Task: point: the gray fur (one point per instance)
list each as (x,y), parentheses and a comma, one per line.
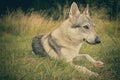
(37,46)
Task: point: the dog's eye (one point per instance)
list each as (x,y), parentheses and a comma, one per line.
(86,27)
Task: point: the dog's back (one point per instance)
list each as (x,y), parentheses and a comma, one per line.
(37,46)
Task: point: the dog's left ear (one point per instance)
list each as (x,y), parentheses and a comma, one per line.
(86,11)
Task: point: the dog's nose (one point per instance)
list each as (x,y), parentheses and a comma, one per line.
(97,40)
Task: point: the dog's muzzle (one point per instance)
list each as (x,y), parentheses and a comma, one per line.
(96,41)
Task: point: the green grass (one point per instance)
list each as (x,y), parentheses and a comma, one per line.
(18,63)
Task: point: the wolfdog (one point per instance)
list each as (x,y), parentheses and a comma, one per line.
(65,42)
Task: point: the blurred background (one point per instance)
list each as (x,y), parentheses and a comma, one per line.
(112,6)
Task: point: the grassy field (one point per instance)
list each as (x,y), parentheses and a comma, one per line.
(18,63)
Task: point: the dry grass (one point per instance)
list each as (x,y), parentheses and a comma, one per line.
(31,23)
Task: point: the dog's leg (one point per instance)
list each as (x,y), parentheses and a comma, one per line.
(84,56)
(90,59)
(84,70)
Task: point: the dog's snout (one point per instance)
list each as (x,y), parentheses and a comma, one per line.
(97,40)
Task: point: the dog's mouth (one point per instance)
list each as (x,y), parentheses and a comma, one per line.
(92,43)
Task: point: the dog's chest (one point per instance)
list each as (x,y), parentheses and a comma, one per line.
(70,53)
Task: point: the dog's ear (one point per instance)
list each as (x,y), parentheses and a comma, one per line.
(86,11)
(74,11)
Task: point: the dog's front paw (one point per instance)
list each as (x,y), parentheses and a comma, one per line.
(99,64)
(93,74)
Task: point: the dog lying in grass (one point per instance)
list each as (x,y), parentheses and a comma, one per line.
(66,41)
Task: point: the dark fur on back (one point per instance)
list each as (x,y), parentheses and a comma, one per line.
(37,46)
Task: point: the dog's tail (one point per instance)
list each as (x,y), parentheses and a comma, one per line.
(37,46)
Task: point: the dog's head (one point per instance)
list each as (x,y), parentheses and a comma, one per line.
(82,27)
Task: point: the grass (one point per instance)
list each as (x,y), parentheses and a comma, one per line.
(18,63)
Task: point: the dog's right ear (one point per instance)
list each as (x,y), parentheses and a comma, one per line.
(86,11)
(74,11)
